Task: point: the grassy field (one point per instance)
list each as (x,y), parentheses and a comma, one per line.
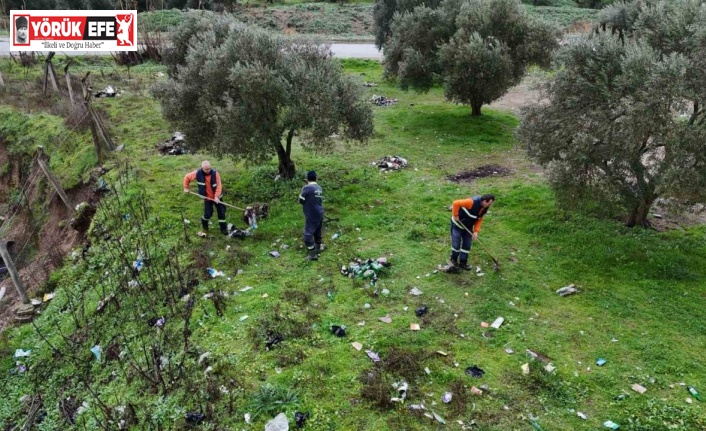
(639,302)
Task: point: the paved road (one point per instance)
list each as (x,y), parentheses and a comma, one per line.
(340,50)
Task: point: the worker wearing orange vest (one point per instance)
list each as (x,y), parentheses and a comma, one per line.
(210,187)
(467,216)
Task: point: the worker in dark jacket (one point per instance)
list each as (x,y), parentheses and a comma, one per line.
(466,218)
(311,198)
(211,189)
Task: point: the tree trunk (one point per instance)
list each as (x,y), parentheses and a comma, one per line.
(475,109)
(638,215)
(286,166)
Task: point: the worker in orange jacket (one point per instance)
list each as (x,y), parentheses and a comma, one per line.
(210,187)
(466,217)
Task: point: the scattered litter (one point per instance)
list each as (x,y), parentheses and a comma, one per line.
(414,326)
(391,163)
(108,91)
(488,334)
(244,318)
(2,292)
(265,295)
(382,100)
(215,273)
(300,419)
(246,288)
(439,418)
(509,351)
(369,84)
(639,388)
(474,371)
(600,362)
(385,319)
(694,393)
(427,370)
(442,353)
(195,418)
(201,234)
(414,291)
(538,356)
(335,236)
(480,274)
(156,322)
(254,212)
(525,369)
(610,424)
(401,387)
(203,357)
(447,397)
(373,356)
(356,345)
(96,350)
(174,146)
(339,331)
(48,297)
(366,269)
(421,311)
(550,368)
(19,353)
(279,423)
(36,301)
(416,407)
(581,415)
(689,401)
(476,391)
(272,339)
(247,418)
(385,292)
(496,324)
(366,305)
(567,290)
(484,324)
(274,253)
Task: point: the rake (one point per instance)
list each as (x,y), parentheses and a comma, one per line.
(496,264)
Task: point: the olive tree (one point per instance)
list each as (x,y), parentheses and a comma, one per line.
(478,49)
(609,131)
(243,92)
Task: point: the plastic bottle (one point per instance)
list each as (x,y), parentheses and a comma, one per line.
(535,425)
(694,393)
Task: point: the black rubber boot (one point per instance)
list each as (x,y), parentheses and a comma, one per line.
(224,227)
(453,262)
(313,254)
(464,265)
(319,247)
(204,224)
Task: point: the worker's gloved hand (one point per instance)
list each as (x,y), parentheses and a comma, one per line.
(186,190)
(217,200)
(475,236)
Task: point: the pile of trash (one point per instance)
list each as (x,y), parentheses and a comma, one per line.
(368,269)
(382,100)
(391,163)
(234,232)
(173,147)
(254,212)
(109,91)
(369,84)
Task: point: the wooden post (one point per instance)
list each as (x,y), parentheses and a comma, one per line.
(2,83)
(68,81)
(53,180)
(13,272)
(49,74)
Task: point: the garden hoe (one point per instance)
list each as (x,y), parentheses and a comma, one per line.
(496,264)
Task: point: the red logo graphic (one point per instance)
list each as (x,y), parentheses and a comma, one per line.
(125,33)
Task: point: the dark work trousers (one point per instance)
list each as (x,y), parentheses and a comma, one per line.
(460,243)
(312,233)
(208,212)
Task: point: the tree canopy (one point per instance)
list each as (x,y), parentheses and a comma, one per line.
(240,91)
(610,132)
(478,49)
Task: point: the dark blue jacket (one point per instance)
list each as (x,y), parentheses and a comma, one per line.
(311,199)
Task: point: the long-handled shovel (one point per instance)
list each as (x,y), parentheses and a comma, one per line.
(496,264)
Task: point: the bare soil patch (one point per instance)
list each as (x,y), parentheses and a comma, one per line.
(480,172)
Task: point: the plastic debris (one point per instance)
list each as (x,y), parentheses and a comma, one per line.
(36,301)
(243,318)
(156,322)
(380,100)
(385,292)
(600,362)
(538,356)
(246,288)
(369,84)
(694,393)
(48,297)
(401,388)
(421,311)
(373,356)
(484,324)
(248,419)
(215,273)
(475,371)
(416,407)
(415,292)
(274,253)
(525,369)
(391,163)
(300,419)
(339,331)
(567,290)
(356,345)
(550,368)
(385,319)
(509,351)
(639,388)
(96,350)
(476,391)
(427,370)
(195,418)
(366,269)
(19,353)
(497,322)
(438,418)
(447,397)
(582,416)
(414,326)
(442,353)
(610,424)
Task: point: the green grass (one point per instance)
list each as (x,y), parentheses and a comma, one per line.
(641,288)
